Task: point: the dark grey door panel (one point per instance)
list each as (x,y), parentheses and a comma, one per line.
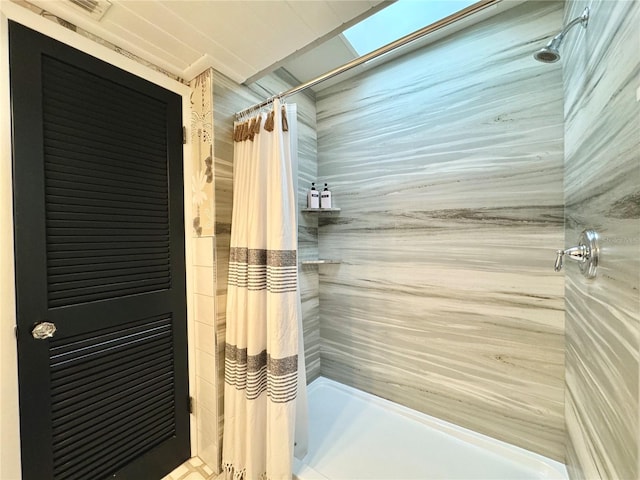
(99,235)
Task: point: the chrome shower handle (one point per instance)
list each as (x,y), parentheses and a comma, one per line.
(585,253)
(558,265)
(578,254)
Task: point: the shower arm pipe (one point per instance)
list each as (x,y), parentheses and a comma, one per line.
(580,19)
(412,37)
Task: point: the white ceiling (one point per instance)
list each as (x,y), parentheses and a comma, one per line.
(323,58)
(241,38)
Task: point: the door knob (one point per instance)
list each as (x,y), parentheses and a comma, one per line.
(43,330)
(586,253)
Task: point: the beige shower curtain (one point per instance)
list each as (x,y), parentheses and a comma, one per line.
(262,356)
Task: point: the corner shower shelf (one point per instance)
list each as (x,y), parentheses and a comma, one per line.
(320,262)
(320,210)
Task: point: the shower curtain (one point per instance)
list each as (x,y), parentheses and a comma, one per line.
(265,382)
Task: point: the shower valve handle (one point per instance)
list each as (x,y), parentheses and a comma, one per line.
(558,265)
(578,254)
(585,253)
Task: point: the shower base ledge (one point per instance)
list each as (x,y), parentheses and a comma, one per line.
(356,435)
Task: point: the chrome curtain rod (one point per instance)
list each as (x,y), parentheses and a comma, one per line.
(412,37)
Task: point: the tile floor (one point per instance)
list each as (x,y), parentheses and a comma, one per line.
(192,469)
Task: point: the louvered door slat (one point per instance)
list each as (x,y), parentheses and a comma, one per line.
(69,173)
(84,220)
(130,117)
(74,274)
(107,363)
(71,186)
(78,167)
(103,466)
(102,398)
(110,441)
(60,263)
(131,233)
(112,96)
(105,165)
(95,385)
(67,113)
(79,428)
(105,265)
(75,453)
(79,351)
(145,152)
(135,204)
(102,159)
(69,181)
(83,295)
(83,212)
(68,442)
(121,454)
(117,239)
(79,281)
(89,250)
(138,361)
(66,123)
(85,419)
(78,105)
(88,205)
(93,241)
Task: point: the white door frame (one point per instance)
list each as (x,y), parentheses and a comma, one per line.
(9,409)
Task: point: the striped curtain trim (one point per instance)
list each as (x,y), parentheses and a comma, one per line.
(273,258)
(259,373)
(256,269)
(282,279)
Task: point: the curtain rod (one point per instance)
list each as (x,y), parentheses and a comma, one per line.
(446,21)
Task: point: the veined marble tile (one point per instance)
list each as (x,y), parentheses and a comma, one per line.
(448,166)
(602,191)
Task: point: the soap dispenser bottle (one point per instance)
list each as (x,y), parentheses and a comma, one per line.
(325,198)
(313,197)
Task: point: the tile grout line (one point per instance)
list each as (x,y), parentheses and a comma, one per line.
(192,469)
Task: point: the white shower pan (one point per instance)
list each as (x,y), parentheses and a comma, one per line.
(357,436)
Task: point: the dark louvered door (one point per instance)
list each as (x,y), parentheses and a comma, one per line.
(99,240)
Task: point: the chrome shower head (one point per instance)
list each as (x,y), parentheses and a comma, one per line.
(547,55)
(551,52)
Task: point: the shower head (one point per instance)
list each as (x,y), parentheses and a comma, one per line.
(551,52)
(548,54)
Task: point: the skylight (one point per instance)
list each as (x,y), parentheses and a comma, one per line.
(399,19)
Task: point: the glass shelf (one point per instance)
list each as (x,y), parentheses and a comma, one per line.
(320,262)
(320,210)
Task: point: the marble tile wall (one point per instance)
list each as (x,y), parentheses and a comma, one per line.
(448,166)
(229,97)
(602,191)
